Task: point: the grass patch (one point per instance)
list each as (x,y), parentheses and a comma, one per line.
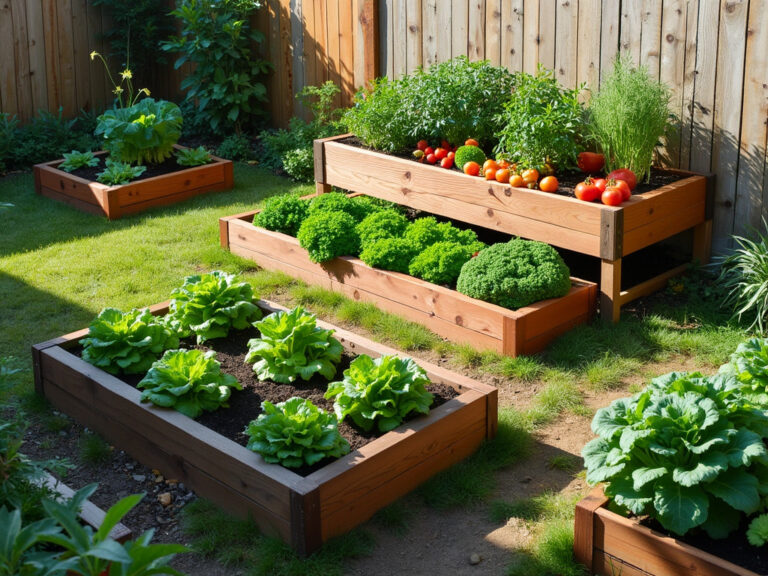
(396,517)
(565,462)
(94,449)
(559,394)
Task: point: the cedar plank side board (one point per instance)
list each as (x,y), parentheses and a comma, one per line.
(605,232)
(607,543)
(304,512)
(446,312)
(117,201)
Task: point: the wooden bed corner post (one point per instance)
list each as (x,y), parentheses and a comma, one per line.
(702,233)
(319,153)
(306,534)
(611,251)
(584,527)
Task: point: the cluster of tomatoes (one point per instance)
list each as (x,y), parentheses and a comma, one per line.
(442,155)
(502,171)
(612,190)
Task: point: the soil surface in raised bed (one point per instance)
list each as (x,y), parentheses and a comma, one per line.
(567,181)
(245,405)
(168,167)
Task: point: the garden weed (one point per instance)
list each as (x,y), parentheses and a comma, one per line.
(94,449)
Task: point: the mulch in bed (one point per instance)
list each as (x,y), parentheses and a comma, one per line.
(245,405)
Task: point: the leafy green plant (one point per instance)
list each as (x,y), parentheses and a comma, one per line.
(466,154)
(193,156)
(75,160)
(381,225)
(423,232)
(687,450)
(127,342)
(515,274)
(284,213)
(744,275)
(327,235)
(292,345)
(143,132)
(628,117)
(749,365)
(541,123)
(388,254)
(380,392)
(18,556)
(441,262)
(46,137)
(117,173)
(757,533)
(358,207)
(295,433)
(225,82)
(235,147)
(189,381)
(209,305)
(8,125)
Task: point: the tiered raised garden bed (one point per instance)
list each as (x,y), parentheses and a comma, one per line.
(446,312)
(605,232)
(303,511)
(117,201)
(609,544)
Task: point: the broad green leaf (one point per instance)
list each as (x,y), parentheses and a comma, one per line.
(679,508)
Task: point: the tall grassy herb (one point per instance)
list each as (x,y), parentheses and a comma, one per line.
(628,116)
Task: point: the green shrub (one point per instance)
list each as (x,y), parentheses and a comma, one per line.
(235,147)
(423,232)
(46,137)
(389,254)
(541,123)
(515,274)
(358,207)
(74,160)
(295,433)
(628,116)
(116,173)
(466,154)
(380,225)
(380,392)
(189,381)
(325,235)
(284,213)
(441,262)
(299,164)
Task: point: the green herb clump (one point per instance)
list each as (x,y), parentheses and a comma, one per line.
(452,100)
(189,381)
(292,345)
(688,450)
(541,123)
(628,117)
(117,173)
(380,392)
(466,154)
(209,305)
(380,225)
(757,533)
(193,156)
(295,433)
(441,262)
(235,147)
(327,235)
(423,232)
(127,342)
(74,160)
(142,133)
(284,213)
(299,164)
(515,274)
(749,365)
(388,254)
(358,207)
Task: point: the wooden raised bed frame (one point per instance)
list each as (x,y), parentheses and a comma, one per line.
(117,201)
(304,512)
(608,544)
(605,232)
(446,312)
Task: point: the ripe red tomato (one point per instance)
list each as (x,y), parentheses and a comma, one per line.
(445,144)
(422,145)
(502,175)
(591,161)
(451,154)
(490,173)
(429,150)
(624,174)
(441,153)
(431,158)
(471,142)
(601,183)
(548,184)
(611,196)
(587,191)
(471,168)
(622,186)
(447,162)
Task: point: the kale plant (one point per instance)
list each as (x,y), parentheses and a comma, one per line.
(328,235)
(189,381)
(284,213)
(295,433)
(74,160)
(127,342)
(291,346)
(380,392)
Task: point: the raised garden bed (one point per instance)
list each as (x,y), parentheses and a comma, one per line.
(137,196)
(605,232)
(607,544)
(303,511)
(444,311)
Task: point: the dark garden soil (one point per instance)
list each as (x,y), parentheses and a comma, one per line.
(168,167)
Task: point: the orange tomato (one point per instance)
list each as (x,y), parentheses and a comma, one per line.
(548,184)
(516,180)
(490,164)
(490,173)
(502,163)
(530,176)
(502,175)
(471,168)
(471,142)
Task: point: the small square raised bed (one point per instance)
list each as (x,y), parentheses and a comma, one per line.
(303,511)
(444,311)
(117,201)
(608,544)
(605,232)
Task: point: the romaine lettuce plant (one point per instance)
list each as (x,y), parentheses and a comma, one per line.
(380,392)
(117,173)
(126,342)
(209,305)
(190,381)
(294,433)
(193,156)
(292,346)
(689,451)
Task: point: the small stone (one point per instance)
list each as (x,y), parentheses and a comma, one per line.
(165,498)
(171,481)
(475,559)
(159,479)
(130,465)
(181,486)
(139,477)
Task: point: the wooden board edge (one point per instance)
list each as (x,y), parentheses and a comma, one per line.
(611,233)
(583,526)
(306,532)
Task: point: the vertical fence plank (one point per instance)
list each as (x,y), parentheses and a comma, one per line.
(400,33)
(512,34)
(272,40)
(346,54)
(728,99)
(650,36)
(444,30)
(702,130)
(492,40)
(566,44)
(66,56)
(476,30)
(547,32)
(8,98)
(672,71)
(631,28)
(588,33)
(429,25)
(310,44)
(531,33)
(689,79)
(82,39)
(386,14)
(97,86)
(333,32)
(297,41)
(36,44)
(413,36)
(460,27)
(51,53)
(321,42)
(609,35)
(21,58)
